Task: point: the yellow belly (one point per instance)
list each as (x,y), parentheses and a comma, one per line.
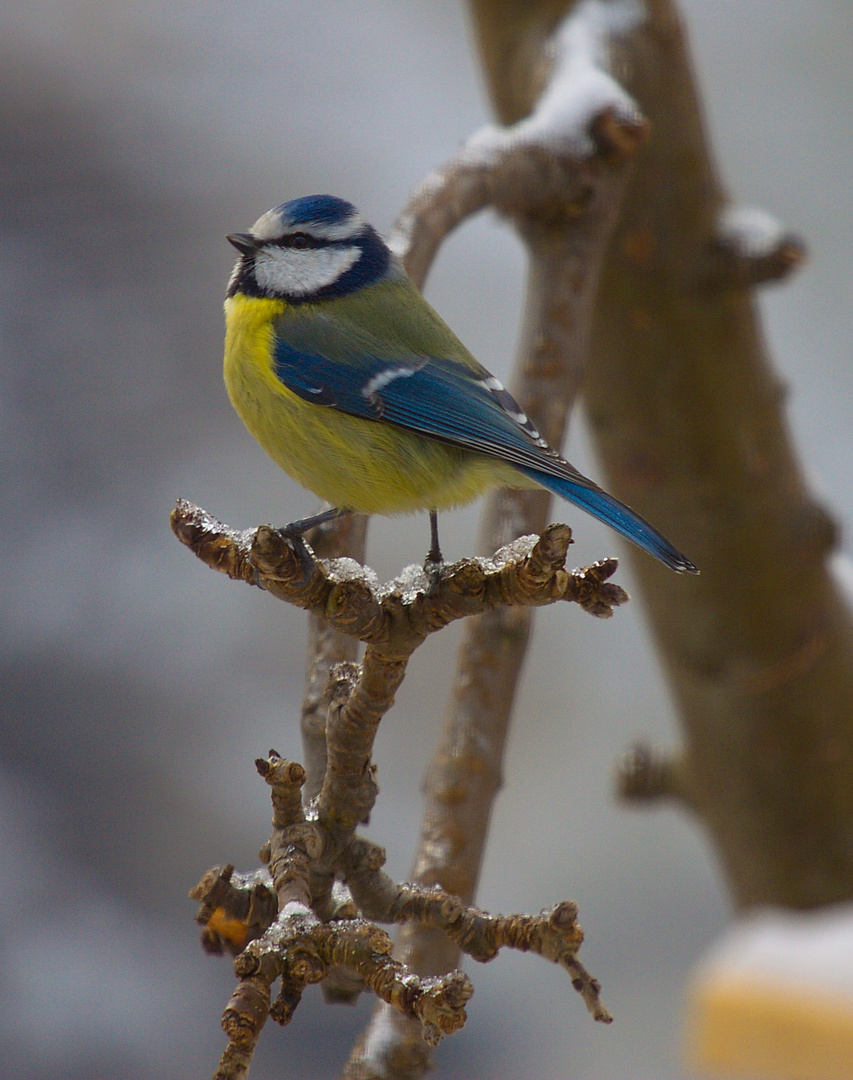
(350,462)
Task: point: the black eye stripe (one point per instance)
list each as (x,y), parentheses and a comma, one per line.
(303,241)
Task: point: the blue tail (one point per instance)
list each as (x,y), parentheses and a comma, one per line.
(615,514)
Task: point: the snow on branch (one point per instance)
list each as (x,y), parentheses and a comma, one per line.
(556,163)
(579,91)
(312,914)
(752,247)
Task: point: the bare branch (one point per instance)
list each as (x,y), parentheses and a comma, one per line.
(645,777)
(315,936)
(326,647)
(396,618)
(301,944)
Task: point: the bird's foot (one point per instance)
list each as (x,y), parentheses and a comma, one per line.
(296,540)
(294,533)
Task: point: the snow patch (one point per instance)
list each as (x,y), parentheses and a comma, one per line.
(346,569)
(751,230)
(409,582)
(510,553)
(579,89)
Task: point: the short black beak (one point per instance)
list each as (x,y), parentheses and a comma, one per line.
(245,243)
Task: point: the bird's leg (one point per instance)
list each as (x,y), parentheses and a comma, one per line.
(294,532)
(304,525)
(434,560)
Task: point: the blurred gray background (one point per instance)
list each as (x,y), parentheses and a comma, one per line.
(138,686)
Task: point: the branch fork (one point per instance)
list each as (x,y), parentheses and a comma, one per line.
(311,915)
(282,937)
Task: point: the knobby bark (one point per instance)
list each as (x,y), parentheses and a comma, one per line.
(311,916)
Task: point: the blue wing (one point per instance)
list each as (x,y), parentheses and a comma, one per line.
(429,395)
(459,403)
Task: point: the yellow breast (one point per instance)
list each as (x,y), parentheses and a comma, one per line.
(349,461)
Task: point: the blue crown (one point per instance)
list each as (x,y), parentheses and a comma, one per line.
(316,210)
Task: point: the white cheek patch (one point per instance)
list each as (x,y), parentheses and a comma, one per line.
(295,272)
(235,275)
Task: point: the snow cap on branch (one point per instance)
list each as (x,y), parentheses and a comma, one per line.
(579,89)
(750,230)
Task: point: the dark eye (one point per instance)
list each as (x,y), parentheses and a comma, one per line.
(298,240)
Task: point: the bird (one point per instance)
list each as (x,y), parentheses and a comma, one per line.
(357,388)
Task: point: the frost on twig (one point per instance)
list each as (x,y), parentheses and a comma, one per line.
(558,171)
(310,915)
(281,928)
(530,572)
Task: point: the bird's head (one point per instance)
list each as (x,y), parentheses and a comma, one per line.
(312,248)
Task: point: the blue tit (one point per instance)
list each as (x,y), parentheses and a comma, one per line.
(355,386)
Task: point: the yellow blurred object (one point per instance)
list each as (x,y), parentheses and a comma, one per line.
(233,930)
(774,1001)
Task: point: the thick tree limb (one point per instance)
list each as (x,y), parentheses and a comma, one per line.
(687,415)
